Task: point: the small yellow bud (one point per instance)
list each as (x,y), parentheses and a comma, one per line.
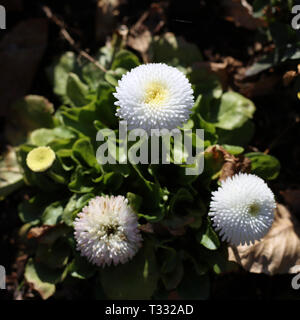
(40,159)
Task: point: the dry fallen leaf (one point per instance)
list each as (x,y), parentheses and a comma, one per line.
(21,50)
(288,77)
(240,13)
(231,164)
(140,41)
(261,87)
(106,17)
(48,234)
(140,34)
(278,252)
(38,232)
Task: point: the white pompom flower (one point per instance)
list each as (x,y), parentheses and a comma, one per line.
(154,96)
(106,231)
(242,209)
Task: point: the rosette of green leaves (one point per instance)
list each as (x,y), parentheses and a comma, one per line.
(181,251)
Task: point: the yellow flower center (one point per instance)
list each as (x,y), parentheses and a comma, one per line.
(254,209)
(40,159)
(156,94)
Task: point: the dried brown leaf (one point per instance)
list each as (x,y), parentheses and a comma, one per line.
(38,232)
(140,41)
(288,77)
(48,234)
(240,13)
(106,17)
(149,23)
(278,252)
(263,86)
(234,165)
(231,164)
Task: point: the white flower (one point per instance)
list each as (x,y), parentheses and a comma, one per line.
(107,231)
(242,209)
(154,96)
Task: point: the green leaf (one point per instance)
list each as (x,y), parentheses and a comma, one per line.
(53,213)
(80,119)
(209,239)
(58,144)
(136,279)
(264,165)
(84,152)
(205,82)
(92,75)
(126,60)
(210,135)
(80,268)
(11,177)
(208,242)
(66,160)
(234,110)
(240,136)
(135,201)
(81,181)
(105,56)
(26,115)
(113,180)
(77,91)
(113,76)
(42,278)
(180,200)
(235,150)
(43,136)
(59,72)
(152,194)
(31,210)
(75,204)
(105,108)
(54,256)
(230,112)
